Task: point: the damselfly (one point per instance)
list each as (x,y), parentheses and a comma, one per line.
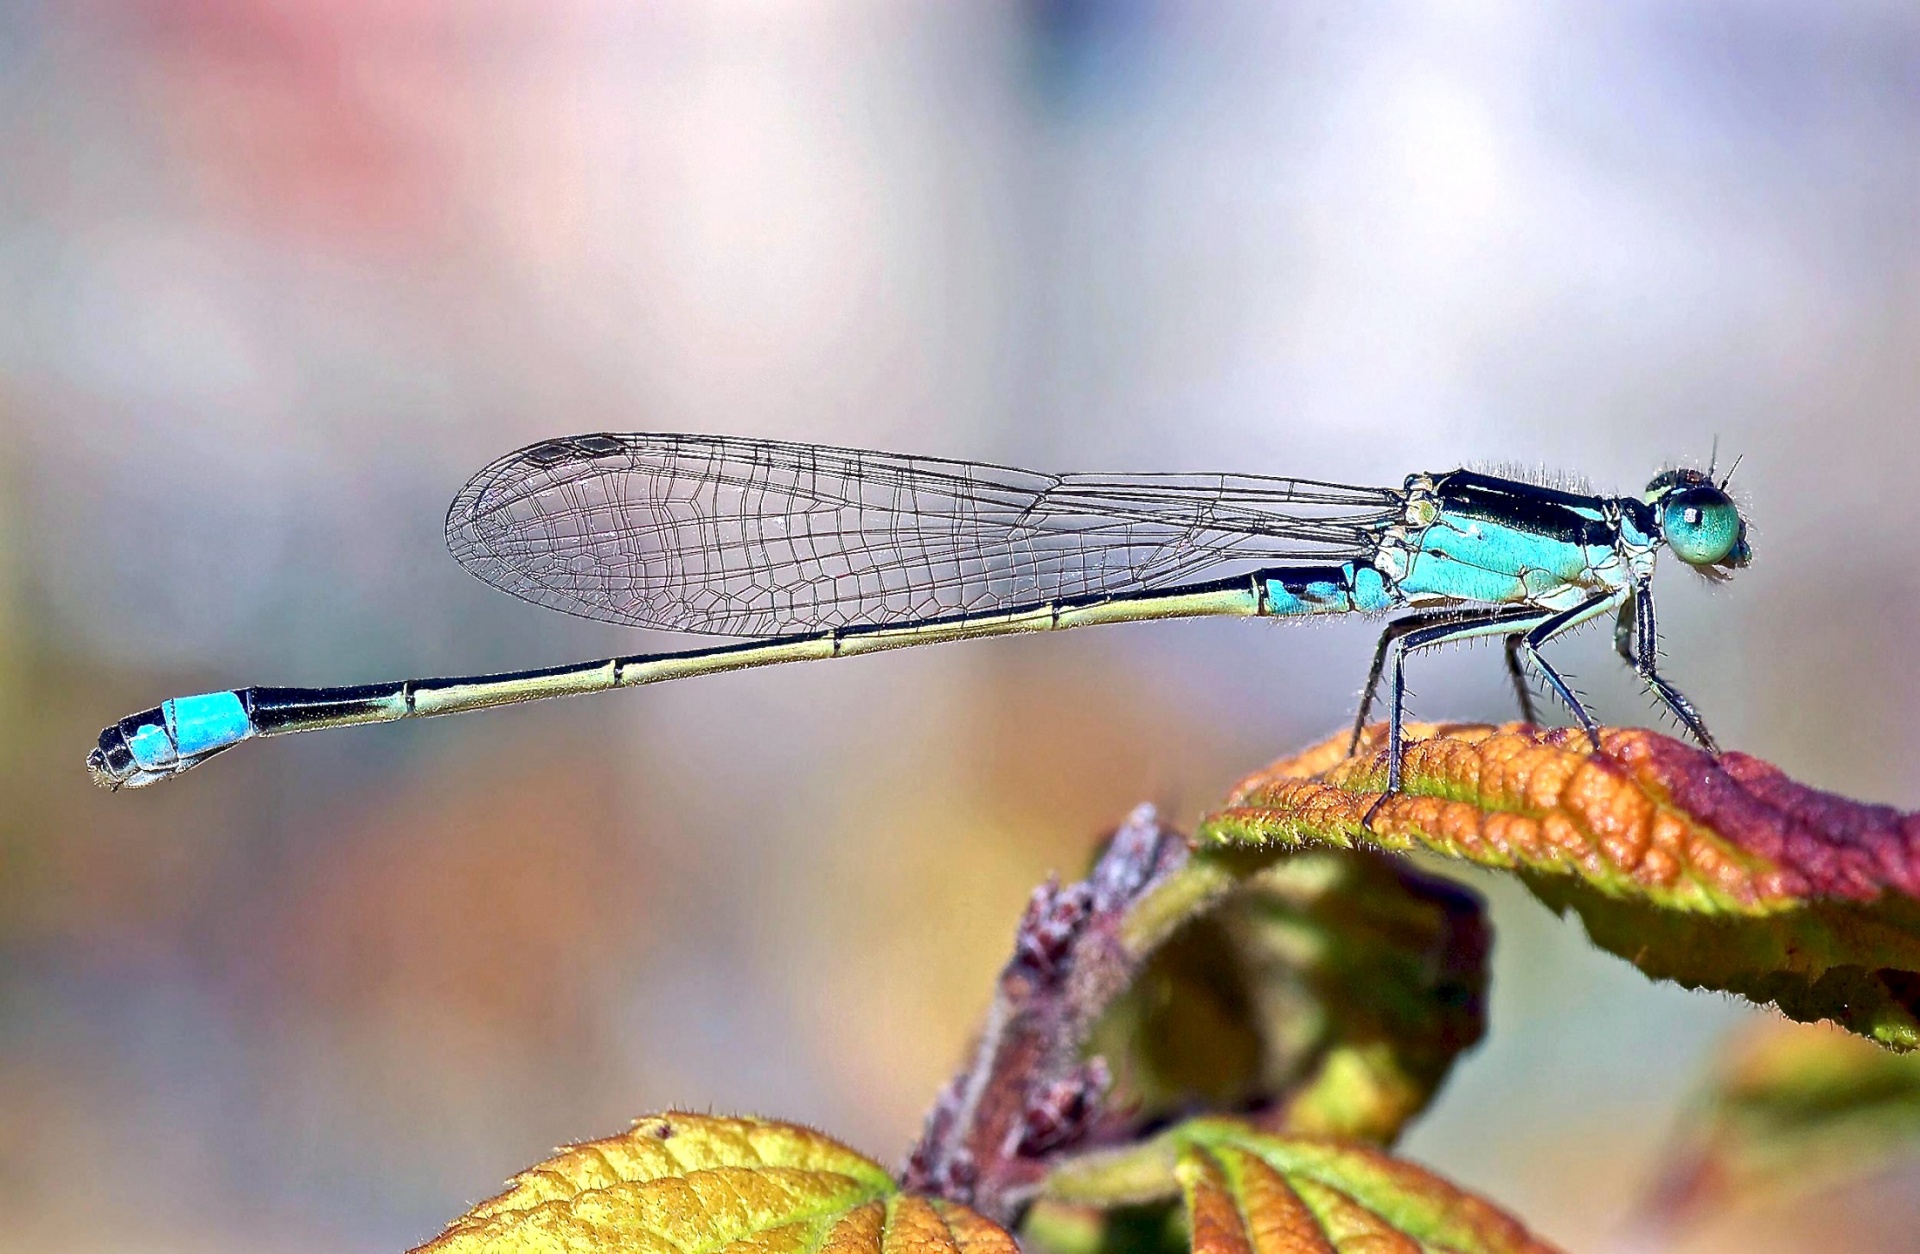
(818,552)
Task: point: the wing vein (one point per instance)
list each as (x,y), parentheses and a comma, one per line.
(748,537)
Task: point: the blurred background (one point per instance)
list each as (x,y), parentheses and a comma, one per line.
(275,277)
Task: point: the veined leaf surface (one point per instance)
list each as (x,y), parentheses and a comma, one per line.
(1252,1192)
(688,1184)
(1717,873)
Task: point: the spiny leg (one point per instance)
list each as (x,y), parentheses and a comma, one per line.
(1503,622)
(1518,673)
(1567,620)
(1637,639)
(1394,631)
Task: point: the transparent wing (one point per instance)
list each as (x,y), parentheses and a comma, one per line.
(760,537)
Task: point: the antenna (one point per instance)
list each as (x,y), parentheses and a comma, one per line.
(1729,479)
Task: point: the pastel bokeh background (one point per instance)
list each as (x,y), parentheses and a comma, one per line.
(276,276)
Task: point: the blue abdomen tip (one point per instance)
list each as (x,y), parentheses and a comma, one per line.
(212,720)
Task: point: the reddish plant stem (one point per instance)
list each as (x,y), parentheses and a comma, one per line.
(1028,1097)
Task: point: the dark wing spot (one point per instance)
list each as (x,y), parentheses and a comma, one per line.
(549,453)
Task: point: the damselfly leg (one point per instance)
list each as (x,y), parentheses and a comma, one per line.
(1637,639)
(1565,621)
(1534,629)
(1426,637)
(1517,672)
(1429,618)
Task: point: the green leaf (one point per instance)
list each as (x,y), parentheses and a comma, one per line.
(1791,1109)
(1715,873)
(1253,1193)
(689,1184)
(1333,990)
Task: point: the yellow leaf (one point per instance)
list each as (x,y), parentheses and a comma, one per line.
(689,1184)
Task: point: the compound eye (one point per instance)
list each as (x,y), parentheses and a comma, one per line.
(1702,525)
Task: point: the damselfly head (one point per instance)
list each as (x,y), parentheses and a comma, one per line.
(1700,522)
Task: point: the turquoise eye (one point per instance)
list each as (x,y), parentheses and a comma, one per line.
(1702,525)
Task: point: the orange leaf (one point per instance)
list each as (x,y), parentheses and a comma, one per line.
(1719,873)
(1252,1193)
